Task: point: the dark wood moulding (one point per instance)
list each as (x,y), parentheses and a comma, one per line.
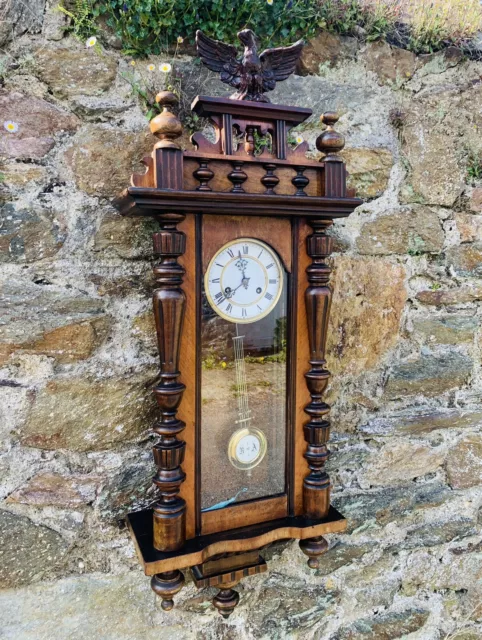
(207,106)
(138,201)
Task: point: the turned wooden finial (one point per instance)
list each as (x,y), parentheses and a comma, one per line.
(166,126)
(227,599)
(314,548)
(166,585)
(330,142)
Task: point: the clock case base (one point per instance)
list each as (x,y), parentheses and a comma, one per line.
(200,549)
(223,559)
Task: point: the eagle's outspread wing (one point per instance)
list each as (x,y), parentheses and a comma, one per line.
(277,64)
(219,56)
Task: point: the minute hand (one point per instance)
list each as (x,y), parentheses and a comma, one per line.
(244,281)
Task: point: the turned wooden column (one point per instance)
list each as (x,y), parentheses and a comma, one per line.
(169,301)
(169,305)
(317,485)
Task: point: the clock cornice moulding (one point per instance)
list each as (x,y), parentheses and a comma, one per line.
(141,201)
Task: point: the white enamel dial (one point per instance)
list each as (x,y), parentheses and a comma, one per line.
(244,280)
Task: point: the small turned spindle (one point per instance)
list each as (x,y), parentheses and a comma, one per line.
(314,548)
(300,181)
(269,180)
(166,126)
(249,140)
(237,176)
(203,175)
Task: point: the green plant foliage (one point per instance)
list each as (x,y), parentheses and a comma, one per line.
(262,142)
(474,165)
(83,24)
(149,26)
(341,16)
(144,94)
(376,19)
(435,24)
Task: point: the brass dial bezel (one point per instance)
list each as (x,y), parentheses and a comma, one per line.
(234,441)
(273,302)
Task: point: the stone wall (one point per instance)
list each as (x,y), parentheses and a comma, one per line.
(78,357)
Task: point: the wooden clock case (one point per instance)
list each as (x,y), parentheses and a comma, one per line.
(201,199)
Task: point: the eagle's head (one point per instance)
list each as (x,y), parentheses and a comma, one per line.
(247,37)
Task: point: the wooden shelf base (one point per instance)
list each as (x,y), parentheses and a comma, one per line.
(198,550)
(230,569)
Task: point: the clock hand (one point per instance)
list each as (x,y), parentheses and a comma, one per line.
(229,293)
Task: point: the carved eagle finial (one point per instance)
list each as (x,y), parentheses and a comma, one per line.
(252,74)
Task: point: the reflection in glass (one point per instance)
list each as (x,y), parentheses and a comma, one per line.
(243,400)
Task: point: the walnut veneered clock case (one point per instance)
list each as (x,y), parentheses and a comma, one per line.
(241,310)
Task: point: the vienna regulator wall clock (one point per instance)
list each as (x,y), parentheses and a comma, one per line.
(241,312)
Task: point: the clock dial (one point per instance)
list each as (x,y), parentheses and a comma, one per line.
(244,280)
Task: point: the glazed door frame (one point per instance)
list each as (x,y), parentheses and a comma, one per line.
(276,506)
